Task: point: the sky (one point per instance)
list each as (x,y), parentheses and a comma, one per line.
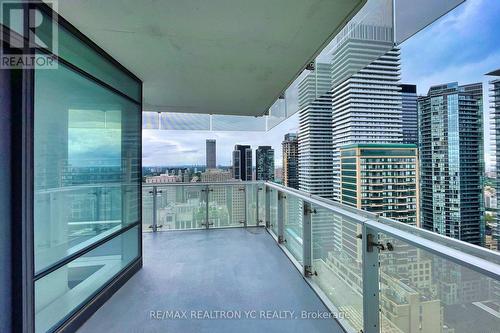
(461,46)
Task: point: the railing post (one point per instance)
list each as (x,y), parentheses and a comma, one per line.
(307,212)
(257,204)
(246,206)
(370,274)
(244,189)
(207,213)
(281,226)
(268,207)
(155,222)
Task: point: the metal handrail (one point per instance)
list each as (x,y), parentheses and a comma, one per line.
(236,182)
(479,259)
(475,261)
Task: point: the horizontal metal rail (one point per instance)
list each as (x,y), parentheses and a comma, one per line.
(462,258)
(234,183)
(482,260)
(476,258)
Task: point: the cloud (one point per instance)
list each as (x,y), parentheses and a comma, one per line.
(460,47)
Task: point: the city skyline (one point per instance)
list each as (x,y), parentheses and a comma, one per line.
(432,56)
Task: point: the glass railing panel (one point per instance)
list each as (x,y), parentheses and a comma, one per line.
(181,207)
(62,291)
(147,208)
(273,207)
(226,206)
(278,111)
(184,121)
(292,225)
(336,258)
(421,291)
(412,16)
(251,200)
(473,250)
(238,123)
(150,120)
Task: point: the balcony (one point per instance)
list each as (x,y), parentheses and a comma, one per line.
(227,248)
(238,272)
(81,225)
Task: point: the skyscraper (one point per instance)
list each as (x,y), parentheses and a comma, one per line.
(495,142)
(211,154)
(381,178)
(264,163)
(242,162)
(315,132)
(410,113)
(290,146)
(366,106)
(451,161)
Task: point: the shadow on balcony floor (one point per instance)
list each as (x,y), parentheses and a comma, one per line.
(228,270)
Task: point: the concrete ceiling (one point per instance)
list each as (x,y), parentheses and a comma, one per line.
(211,56)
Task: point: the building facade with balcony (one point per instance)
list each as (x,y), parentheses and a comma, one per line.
(242,162)
(410,113)
(211,154)
(383,179)
(495,142)
(452,161)
(264,163)
(315,132)
(290,171)
(367,104)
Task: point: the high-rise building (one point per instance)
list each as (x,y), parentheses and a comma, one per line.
(410,113)
(381,178)
(315,151)
(242,162)
(495,144)
(211,154)
(290,146)
(264,163)
(366,106)
(315,132)
(451,161)
(216,176)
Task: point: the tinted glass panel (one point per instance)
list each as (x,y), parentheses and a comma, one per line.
(87,177)
(62,291)
(79,54)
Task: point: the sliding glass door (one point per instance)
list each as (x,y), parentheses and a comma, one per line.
(86,177)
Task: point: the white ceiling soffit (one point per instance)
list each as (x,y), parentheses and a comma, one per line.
(211,56)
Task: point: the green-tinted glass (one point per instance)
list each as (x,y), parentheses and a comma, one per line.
(62,291)
(87,179)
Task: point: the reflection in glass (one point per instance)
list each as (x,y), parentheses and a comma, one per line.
(62,291)
(292,221)
(86,160)
(337,260)
(422,291)
(181,207)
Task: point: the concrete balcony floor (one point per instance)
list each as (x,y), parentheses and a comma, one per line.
(228,270)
